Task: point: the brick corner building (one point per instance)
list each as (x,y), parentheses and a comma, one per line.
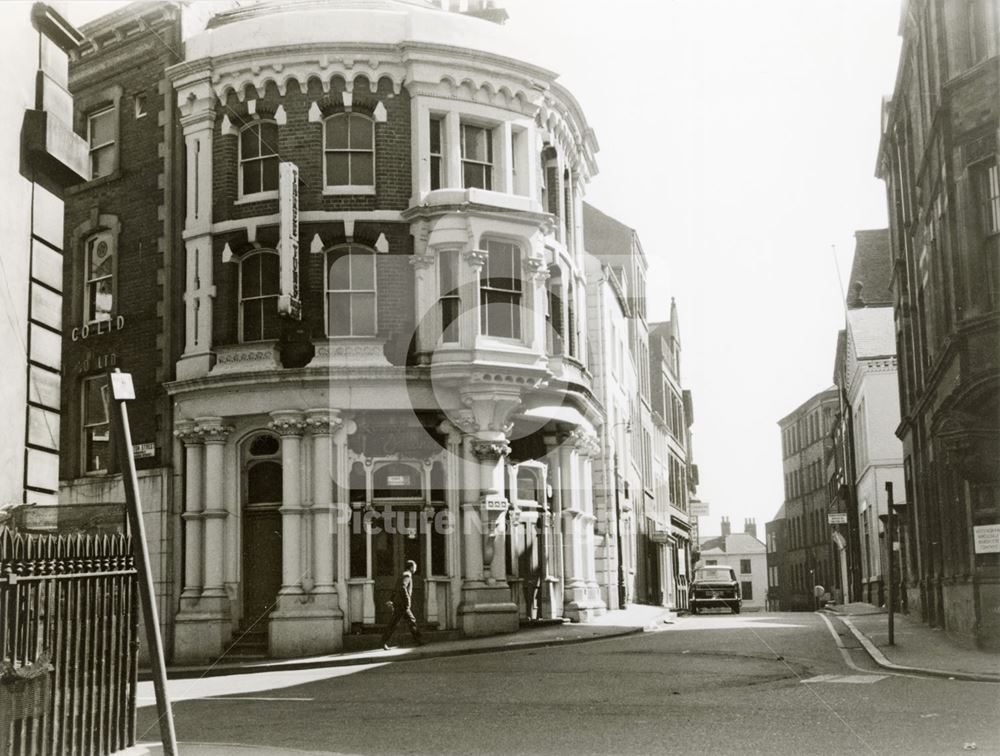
(939,159)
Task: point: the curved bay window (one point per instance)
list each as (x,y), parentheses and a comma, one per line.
(259,158)
(259,287)
(349,151)
(350,292)
(500,291)
(100,274)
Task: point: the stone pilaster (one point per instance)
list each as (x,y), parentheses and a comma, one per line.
(203,627)
(192,517)
(197,111)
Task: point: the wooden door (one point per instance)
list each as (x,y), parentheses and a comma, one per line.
(261,563)
(261,540)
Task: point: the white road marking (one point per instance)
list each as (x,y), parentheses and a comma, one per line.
(850,679)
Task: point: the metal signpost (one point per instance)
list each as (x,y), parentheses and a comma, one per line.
(890,540)
(121,391)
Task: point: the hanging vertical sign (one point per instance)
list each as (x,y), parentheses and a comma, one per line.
(288,243)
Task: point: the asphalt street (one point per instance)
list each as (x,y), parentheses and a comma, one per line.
(716,683)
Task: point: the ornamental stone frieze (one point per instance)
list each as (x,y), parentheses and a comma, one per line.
(287,423)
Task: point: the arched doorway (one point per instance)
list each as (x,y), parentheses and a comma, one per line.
(261,527)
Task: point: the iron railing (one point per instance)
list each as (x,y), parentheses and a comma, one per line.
(69,614)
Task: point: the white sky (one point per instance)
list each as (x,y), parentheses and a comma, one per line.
(739,139)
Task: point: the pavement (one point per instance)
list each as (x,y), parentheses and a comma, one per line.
(619,622)
(918,648)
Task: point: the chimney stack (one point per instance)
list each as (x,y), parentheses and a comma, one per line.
(750,527)
(726,529)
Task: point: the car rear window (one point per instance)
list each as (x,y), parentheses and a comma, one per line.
(713,573)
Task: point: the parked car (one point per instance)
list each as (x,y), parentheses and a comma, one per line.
(715,586)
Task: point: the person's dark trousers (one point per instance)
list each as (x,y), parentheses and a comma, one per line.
(397,614)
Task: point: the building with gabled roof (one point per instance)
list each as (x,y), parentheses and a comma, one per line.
(746,554)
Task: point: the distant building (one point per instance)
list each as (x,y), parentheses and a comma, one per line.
(778,581)
(40,157)
(806,559)
(746,554)
(675,474)
(939,159)
(872,392)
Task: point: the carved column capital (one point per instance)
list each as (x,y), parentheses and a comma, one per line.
(490,450)
(476,258)
(536,269)
(209,430)
(321,422)
(287,423)
(585,442)
(421,262)
(187,432)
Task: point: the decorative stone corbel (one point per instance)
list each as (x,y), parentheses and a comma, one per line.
(536,269)
(280,116)
(379,113)
(226,128)
(315,115)
(382,244)
(316,245)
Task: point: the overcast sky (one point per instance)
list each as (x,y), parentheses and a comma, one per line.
(739,140)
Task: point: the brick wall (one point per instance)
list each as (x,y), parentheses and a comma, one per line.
(301,142)
(133,198)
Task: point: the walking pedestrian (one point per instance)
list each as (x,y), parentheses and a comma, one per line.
(401,606)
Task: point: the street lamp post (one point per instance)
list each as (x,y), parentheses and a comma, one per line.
(622,592)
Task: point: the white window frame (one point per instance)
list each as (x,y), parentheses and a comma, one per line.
(89,245)
(489,165)
(452,294)
(263,193)
(242,299)
(108,145)
(437,120)
(346,250)
(988,196)
(352,188)
(86,428)
(517,294)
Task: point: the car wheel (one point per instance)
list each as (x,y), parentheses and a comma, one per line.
(736,608)
(694,609)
